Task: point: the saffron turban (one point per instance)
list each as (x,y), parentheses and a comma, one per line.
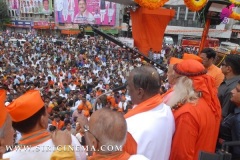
(201,82)
(25,106)
(192,56)
(174,60)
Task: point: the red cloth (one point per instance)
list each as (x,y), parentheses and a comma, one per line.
(58,125)
(130,145)
(148,27)
(174,60)
(196,130)
(145,106)
(192,56)
(197,125)
(3,110)
(35,138)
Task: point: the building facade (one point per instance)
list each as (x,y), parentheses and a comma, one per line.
(53,16)
(186,23)
(64,16)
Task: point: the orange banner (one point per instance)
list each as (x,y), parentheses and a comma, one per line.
(72,32)
(148,27)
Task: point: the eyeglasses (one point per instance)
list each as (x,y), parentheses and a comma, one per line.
(86,129)
(223,64)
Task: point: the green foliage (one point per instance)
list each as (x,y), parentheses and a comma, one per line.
(4,17)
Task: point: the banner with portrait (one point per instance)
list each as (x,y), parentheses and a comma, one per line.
(99,12)
(36,6)
(13,4)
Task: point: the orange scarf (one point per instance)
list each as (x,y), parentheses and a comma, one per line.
(3,110)
(112,156)
(145,106)
(35,138)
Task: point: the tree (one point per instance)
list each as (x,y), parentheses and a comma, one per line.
(4,17)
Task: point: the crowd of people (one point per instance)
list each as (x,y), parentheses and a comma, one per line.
(78,87)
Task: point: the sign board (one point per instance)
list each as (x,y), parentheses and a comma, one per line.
(22,23)
(99,12)
(127,41)
(13,4)
(41,23)
(36,6)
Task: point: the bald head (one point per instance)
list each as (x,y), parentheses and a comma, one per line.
(108,126)
(147,78)
(6,132)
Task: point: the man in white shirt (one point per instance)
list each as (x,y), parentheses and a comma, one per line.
(100,85)
(32,124)
(46,9)
(59,8)
(71,7)
(106,79)
(88,80)
(122,105)
(65,10)
(155,116)
(84,16)
(72,86)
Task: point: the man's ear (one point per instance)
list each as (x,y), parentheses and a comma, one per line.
(43,121)
(229,69)
(140,93)
(95,143)
(1,141)
(2,147)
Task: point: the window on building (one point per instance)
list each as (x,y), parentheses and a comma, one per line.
(194,16)
(178,12)
(13,13)
(186,14)
(182,13)
(191,15)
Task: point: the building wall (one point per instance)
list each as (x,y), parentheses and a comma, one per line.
(186,23)
(182,24)
(50,18)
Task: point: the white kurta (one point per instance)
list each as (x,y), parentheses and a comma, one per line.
(138,157)
(153,131)
(44,151)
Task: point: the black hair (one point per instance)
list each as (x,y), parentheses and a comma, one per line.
(210,53)
(52,128)
(82,0)
(233,60)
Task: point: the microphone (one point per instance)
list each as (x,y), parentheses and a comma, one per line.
(113,90)
(120,88)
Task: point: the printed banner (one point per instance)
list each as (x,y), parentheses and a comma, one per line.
(36,6)
(41,23)
(13,4)
(99,12)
